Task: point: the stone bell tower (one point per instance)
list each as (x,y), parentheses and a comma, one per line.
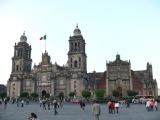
(77,59)
(77,62)
(21,61)
(21,65)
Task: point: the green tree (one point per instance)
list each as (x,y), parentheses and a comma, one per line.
(24,94)
(99,93)
(132,92)
(61,95)
(86,93)
(47,95)
(3,94)
(34,95)
(71,94)
(115,93)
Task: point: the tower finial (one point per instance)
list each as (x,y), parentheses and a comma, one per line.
(77,25)
(24,33)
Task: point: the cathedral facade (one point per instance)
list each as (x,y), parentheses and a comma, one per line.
(47,78)
(53,79)
(119,77)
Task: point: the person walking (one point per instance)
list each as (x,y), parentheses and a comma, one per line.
(22,103)
(17,101)
(128,103)
(96,110)
(40,102)
(117,106)
(5,103)
(156,105)
(48,104)
(82,105)
(112,106)
(44,104)
(148,105)
(109,106)
(55,107)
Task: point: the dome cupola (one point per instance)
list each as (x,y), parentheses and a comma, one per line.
(77,31)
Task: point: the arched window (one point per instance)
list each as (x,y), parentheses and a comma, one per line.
(75,46)
(18,52)
(75,63)
(75,85)
(17,67)
(79,46)
(79,59)
(21,52)
(71,60)
(71,46)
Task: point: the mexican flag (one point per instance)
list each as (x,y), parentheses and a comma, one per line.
(43,37)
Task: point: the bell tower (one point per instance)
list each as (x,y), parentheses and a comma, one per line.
(21,67)
(21,61)
(77,62)
(76,55)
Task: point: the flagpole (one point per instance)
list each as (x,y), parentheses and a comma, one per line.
(45,41)
(45,45)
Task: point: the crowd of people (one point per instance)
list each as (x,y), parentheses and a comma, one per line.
(112,105)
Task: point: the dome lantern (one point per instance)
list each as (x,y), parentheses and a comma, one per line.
(77,31)
(23,38)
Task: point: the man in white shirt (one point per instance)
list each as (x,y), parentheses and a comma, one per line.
(96,110)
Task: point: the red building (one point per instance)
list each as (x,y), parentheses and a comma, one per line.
(119,76)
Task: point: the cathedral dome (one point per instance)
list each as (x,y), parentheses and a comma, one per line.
(77,31)
(23,38)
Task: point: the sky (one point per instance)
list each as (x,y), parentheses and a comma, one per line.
(130,28)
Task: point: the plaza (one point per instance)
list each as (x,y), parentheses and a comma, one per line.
(73,112)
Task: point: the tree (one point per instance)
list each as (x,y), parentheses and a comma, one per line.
(71,94)
(61,95)
(3,94)
(34,95)
(24,94)
(47,95)
(99,93)
(86,93)
(132,92)
(115,93)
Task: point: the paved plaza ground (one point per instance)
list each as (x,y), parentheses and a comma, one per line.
(73,112)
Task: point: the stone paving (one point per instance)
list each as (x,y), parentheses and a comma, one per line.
(73,112)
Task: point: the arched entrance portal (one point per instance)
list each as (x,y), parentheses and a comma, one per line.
(119,89)
(44,93)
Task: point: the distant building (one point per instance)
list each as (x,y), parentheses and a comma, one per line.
(53,79)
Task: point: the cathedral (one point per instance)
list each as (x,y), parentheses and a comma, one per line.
(48,78)
(53,79)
